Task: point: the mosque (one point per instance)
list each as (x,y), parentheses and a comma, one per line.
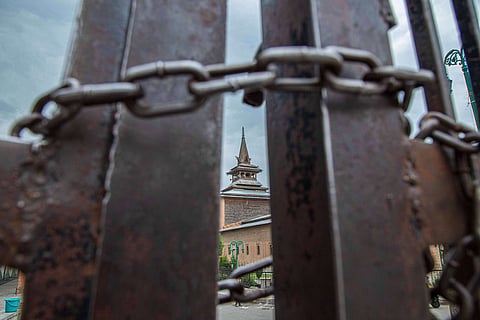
(245,212)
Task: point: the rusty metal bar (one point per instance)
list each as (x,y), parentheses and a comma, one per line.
(60,185)
(75,167)
(366,194)
(373,200)
(467,20)
(298,138)
(442,204)
(15,157)
(429,55)
(161,225)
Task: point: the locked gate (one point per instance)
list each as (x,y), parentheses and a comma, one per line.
(97,214)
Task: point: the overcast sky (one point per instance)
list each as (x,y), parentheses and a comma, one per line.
(34,38)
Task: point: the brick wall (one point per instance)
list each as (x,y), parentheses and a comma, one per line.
(239,209)
(257,239)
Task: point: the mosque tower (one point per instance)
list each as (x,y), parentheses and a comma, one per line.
(244,174)
(245,198)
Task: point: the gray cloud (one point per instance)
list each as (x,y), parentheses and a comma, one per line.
(56,10)
(243,39)
(403,53)
(34,37)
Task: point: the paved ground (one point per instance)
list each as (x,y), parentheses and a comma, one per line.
(442,313)
(263,310)
(250,311)
(253,311)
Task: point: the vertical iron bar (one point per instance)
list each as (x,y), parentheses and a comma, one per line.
(60,185)
(469,31)
(429,55)
(378,220)
(324,269)
(305,262)
(161,225)
(14,156)
(76,167)
(467,20)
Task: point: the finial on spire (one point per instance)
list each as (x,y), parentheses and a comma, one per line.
(243,154)
(244,174)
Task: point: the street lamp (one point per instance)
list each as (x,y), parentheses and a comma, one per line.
(234,248)
(456,57)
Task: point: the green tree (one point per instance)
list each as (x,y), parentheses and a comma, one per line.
(220,245)
(224,265)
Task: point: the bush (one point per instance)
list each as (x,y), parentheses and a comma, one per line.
(224,268)
(224,263)
(248,280)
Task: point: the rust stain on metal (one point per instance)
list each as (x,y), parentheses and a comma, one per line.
(138,247)
(58,238)
(414,193)
(387,14)
(366,133)
(299,187)
(57,188)
(438,199)
(158,215)
(13,241)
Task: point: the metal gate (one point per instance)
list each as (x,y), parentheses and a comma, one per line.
(98,215)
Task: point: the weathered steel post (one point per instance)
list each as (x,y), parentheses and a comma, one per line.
(429,55)
(467,19)
(337,178)
(55,192)
(58,199)
(164,184)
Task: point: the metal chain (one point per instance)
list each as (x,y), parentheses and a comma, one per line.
(236,291)
(447,131)
(460,280)
(205,81)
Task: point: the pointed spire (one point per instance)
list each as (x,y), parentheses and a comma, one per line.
(244,174)
(243,156)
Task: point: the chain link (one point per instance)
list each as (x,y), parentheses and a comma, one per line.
(460,279)
(160,70)
(37,123)
(263,73)
(447,131)
(231,84)
(204,81)
(236,291)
